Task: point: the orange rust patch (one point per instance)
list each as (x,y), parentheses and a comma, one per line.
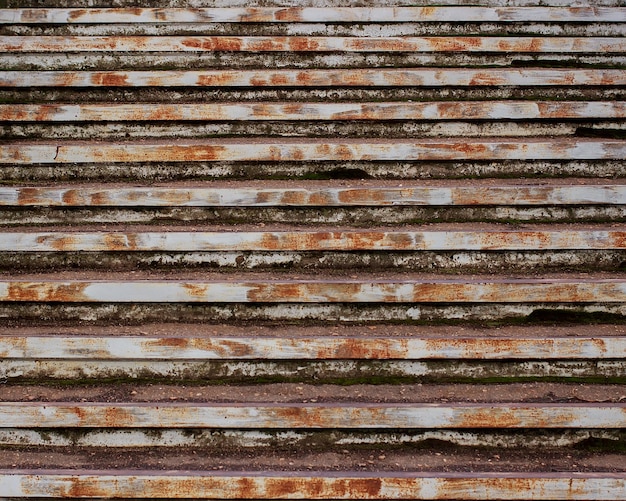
(27,291)
(120,242)
(303,44)
(236,348)
(292,14)
(83,488)
(216,79)
(28,196)
(110,79)
(172,342)
(116,417)
(195,290)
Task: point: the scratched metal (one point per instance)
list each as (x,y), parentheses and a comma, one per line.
(313,15)
(494,44)
(313,150)
(314,485)
(353,77)
(406,195)
(331,291)
(312,240)
(473,110)
(288,416)
(315,348)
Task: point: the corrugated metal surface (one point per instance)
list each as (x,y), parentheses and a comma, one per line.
(153,156)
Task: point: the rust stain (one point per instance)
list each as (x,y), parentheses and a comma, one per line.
(172,342)
(26,291)
(196,290)
(81,487)
(301,417)
(303,44)
(236,348)
(492,418)
(117,417)
(291,14)
(110,79)
(218,79)
(120,241)
(98,198)
(28,196)
(293,198)
(222,44)
(72,197)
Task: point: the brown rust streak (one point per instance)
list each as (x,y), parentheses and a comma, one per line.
(222,44)
(120,241)
(110,79)
(28,291)
(196,290)
(358,349)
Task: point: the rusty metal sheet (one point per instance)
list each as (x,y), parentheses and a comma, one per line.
(310,291)
(312,15)
(353,77)
(315,485)
(312,240)
(460,110)
(491,44)
(309,348)
(288,416)
(313,150)
(406,195)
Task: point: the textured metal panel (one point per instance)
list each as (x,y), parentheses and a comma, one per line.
(277,416)
(473,110)
(330,291)
(313,150)
(312,240)
(323,348)
(230,485)
(353,77)
(313,15)
(406,195)
(34,44)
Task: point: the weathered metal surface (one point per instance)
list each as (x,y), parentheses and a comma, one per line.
(312,44)
(264,150)
(257,439)
(312,240)
(288,416)
(302,196)
(320,348)
(472,110)
(322,371)
(353,77)
(310,291)
(230,485)
(313,15)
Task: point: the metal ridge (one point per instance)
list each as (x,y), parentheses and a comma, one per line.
(408,194)
(303,240)
(312,149)
(311,14)
(465,110)
(318,291)
(353,77)
(247,415)
(311,348)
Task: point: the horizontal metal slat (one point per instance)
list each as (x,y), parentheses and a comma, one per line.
(312,15)
(310,348)
(311,240)
(406,195)
(332,291)
(492,44)
(316,485)
(313,150)
(472,110)
(276,416)
(355,77)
